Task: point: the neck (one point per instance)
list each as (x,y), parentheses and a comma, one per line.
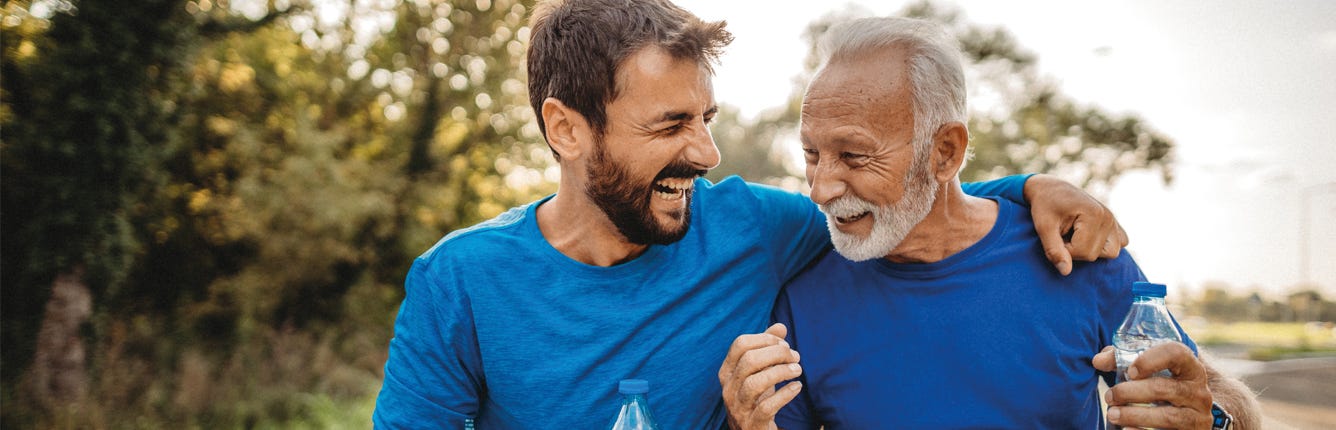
(956,221)
(577,228)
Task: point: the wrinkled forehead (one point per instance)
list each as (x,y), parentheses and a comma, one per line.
(856,93)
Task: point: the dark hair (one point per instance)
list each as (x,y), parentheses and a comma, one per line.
(577,45)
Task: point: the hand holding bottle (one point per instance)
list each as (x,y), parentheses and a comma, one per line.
(1185,396)
(1160,383)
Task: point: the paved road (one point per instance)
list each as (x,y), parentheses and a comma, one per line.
(1295,394)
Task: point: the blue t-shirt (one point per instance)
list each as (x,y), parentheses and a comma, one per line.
(990,337)
(497,324)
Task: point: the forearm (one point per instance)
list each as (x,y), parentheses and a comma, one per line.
(1038,182)
(1235,397)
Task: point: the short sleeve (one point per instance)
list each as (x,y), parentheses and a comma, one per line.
(433,376)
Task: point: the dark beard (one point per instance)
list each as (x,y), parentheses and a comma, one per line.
(626,202)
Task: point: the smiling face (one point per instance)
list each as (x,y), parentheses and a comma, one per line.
(858,141)
(657,142)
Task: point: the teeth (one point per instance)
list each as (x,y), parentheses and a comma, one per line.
(849,219)
(679,184)
(669,196)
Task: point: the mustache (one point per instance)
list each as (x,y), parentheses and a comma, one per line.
(847,205)
(680,169)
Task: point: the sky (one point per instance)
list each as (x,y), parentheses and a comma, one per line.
(1246,89)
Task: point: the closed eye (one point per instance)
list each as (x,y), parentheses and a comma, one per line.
(854,158)
(810,155)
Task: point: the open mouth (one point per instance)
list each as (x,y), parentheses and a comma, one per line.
(672,188)
(849,219)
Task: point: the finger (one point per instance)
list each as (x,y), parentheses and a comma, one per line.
(1104,360)
(1087,239)
(770,406)
(1160,417)
(777,330)
(748,342)
(1110,249)
(1121,236)
(1050,236)
(1160,391)
(1173,356)
(759,360)
(762,384)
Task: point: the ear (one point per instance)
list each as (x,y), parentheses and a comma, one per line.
(950,148)
(566,129)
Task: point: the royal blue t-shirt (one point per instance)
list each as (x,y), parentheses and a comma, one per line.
(499,325)
(991,337)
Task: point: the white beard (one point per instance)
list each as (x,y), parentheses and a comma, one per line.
(890,223)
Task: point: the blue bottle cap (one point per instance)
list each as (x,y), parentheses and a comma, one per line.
(1148,289)
(633,386)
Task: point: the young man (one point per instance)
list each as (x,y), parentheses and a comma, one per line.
(636,267)
(939,309)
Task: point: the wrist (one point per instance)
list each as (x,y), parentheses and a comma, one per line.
(1034,183)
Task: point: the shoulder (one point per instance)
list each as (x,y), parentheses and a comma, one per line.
(483,241)
(736,193)
(827,269)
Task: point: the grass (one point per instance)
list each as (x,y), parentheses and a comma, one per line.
(327,413)
(1269,341)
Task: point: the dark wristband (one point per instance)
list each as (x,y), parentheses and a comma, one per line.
(1220,420)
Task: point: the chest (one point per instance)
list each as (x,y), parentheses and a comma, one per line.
(1009,356)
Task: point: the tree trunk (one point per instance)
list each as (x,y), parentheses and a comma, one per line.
(57,378)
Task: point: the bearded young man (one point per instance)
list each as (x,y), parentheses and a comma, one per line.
(636,267)
(939,309)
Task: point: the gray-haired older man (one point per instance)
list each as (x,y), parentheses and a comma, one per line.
(939,309)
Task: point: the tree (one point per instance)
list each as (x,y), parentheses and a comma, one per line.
(313,159)
(1033,128)
(82,134)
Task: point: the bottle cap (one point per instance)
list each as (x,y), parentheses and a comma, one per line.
(633,386)
(1148,289)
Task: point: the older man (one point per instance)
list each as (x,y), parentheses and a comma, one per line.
(636,267)
(939,310)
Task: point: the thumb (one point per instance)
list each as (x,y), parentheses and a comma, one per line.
(777,330)
(1055,249)
(1104,361)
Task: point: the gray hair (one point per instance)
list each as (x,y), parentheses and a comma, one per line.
(937,79)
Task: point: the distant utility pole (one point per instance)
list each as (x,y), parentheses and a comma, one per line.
(1305,222)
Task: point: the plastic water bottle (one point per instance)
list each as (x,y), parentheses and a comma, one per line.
(634,414)
(1147,325)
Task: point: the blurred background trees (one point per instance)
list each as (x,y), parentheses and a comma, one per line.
(1019,120)
(220,198)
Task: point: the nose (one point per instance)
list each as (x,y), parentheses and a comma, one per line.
(826,182)
(701,151)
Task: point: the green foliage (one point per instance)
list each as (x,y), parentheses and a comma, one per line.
(752,149)
(84,125)
(279,175)
(1031,128)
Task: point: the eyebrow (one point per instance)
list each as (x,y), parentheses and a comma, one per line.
(683,116)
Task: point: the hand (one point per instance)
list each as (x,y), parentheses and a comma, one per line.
(755,363)
(1071,224)
(1186,397)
